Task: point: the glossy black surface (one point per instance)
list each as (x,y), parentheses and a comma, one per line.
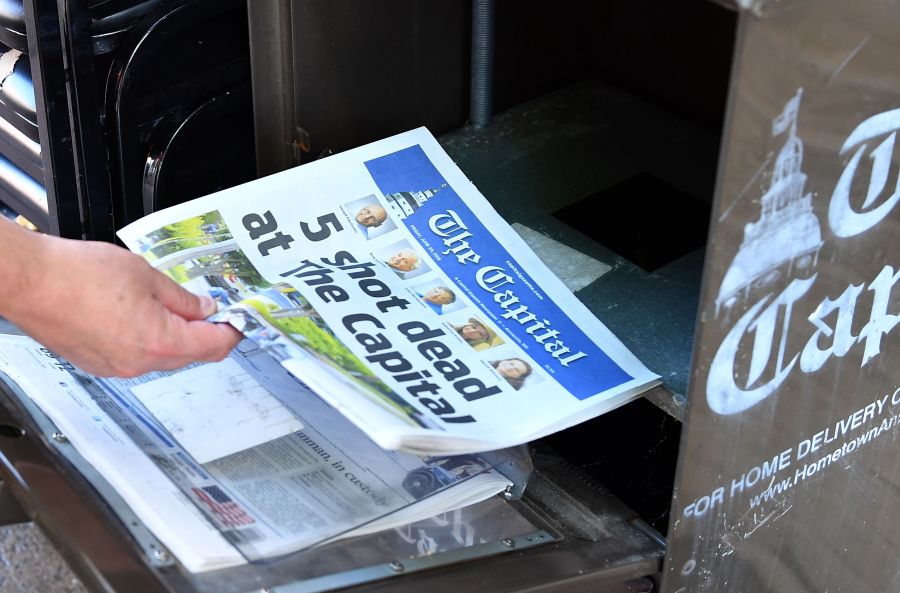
(170,87)
(209,149)
(52,74)
(112,19)
(74,45)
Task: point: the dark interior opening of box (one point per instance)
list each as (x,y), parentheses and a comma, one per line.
(606,139)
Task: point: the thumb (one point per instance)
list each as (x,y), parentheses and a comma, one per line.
(180,301)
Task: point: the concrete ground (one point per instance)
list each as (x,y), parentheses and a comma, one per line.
(29,564)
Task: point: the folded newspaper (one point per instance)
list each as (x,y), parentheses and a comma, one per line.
(385,282)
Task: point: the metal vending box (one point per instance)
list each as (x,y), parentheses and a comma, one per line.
(788,470)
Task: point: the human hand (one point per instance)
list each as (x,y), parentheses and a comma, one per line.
(109,312)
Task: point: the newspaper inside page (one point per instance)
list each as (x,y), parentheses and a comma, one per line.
(383,279)
(267,493)
(163,508)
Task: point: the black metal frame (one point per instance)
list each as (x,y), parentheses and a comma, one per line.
(69,121)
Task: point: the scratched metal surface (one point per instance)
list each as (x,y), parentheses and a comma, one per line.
(789,478)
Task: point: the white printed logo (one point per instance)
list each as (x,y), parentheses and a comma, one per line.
(784,244)
(844,220)
(786,239)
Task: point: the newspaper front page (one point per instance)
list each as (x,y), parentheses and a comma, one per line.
(383,280)
(307,475)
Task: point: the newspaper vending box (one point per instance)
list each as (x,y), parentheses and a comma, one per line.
(717,183)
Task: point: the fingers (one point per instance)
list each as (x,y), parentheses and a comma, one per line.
(207,342)
(179,301)
(183,335)
(192,341)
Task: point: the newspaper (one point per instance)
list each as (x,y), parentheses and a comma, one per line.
(385,282)
(290,474)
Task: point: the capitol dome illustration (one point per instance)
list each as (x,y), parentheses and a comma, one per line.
(405,203)
(786,239)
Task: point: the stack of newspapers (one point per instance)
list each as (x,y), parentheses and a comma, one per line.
(396,328)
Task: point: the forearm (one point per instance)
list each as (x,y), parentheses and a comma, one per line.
(21,256)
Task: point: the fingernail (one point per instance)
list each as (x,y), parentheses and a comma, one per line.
(208,306)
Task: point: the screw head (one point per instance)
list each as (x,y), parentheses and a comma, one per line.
(397,566)
(59,437)
(160,555)
(508,542)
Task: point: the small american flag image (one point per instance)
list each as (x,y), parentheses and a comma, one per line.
(222,506)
